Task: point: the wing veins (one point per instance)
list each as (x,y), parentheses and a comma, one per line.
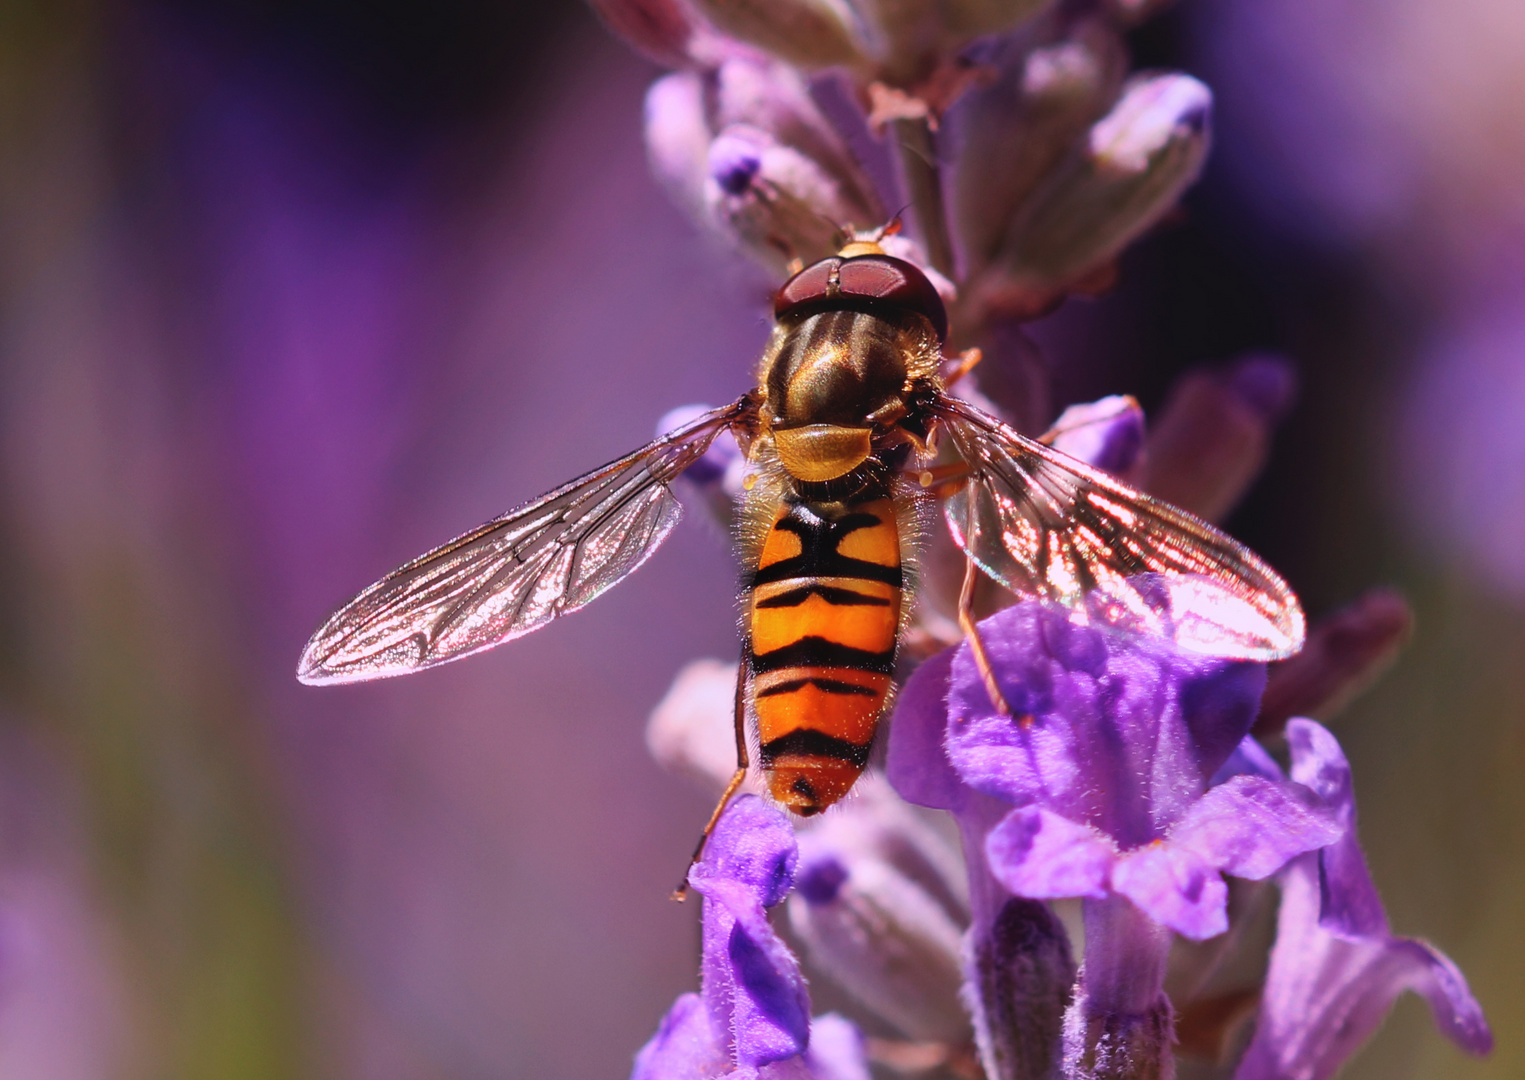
(534,557)
(1064,530)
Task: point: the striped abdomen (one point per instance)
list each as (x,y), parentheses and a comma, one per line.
(824,615)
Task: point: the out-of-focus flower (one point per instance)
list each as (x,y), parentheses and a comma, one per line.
(1211,439)
(1337,967)
(1060,168)
(745,150)
(879,907)
(751,1018)
(1345,652)
(1108,434)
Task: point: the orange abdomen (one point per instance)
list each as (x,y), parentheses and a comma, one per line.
(824,615)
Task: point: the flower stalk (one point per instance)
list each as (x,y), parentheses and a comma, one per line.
(1125,788)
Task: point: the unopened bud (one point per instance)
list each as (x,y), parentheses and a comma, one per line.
(1021,976)
(744,149)
(1211,439)
(765,94)
(774,202)
(678,138)
(691,730)
(882,938)
(809,34)
(1345,652)
(1138,160)
(664,30)
(1018,130)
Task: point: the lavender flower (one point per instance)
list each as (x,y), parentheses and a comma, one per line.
(1127,779)
(752,1016)
(1337,966)
(1103,784)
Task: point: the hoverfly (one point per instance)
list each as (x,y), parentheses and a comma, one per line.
(850,402)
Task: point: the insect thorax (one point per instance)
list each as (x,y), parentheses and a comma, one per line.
(832,377)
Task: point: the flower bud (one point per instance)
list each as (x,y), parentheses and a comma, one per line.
(882,938)
(914,42)
(776,203)
(773,96)
(678,138)
(966,19)
(1211,438)
(1017,131)
(664,30)
(691,731)
(1021,976)
(1136,162)
(1345,652)
(745,151)
(809,34)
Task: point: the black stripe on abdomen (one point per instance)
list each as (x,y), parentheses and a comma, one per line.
(807,742)
(830,593)
(818,652)
(828,686)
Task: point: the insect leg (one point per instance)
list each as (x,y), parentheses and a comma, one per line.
(972,632)
(742,763)
(976,645)
(943,480)
(965,364)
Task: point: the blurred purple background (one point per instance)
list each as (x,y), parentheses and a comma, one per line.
(290,293)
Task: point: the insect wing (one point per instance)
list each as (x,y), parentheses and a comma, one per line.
(517,572)
(1044,524)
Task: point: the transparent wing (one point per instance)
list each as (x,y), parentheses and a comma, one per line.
(1044,524)
(517,572)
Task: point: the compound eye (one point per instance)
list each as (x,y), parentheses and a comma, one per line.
(894,281)
(813,285)
(868,281)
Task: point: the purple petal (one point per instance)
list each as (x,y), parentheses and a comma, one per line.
(1049,670)
(771,1008)
(1251,827)
(1351,906)
(752,985)
(1038,854)
(1248,759)
(1116,731)
(917,764)
(836,1050)
(1176,888)
(1325,995)
(1108,433)
(684,1048)
(753,845)
(1219,702)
